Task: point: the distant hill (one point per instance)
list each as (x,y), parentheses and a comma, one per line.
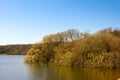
(18,49)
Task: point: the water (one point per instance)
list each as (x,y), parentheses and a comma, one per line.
(13,68)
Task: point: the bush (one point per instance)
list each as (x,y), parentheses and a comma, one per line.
(71,48)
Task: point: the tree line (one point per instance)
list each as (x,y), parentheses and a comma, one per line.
(20,49)
(78,49)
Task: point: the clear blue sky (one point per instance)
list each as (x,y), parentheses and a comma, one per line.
(27,21)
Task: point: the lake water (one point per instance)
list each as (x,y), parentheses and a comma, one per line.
(13,68)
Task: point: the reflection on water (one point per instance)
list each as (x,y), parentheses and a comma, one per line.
(13,68)
(49,72)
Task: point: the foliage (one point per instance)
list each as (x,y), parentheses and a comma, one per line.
(66,36)
(77,49)
(15,49)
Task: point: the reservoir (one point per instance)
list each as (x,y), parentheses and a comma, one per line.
(12,67)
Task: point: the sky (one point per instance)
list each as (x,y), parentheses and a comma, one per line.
(28,21)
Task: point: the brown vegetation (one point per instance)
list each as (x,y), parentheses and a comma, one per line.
(77,49)
(15,49)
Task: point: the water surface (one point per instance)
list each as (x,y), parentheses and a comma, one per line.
(13,68)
